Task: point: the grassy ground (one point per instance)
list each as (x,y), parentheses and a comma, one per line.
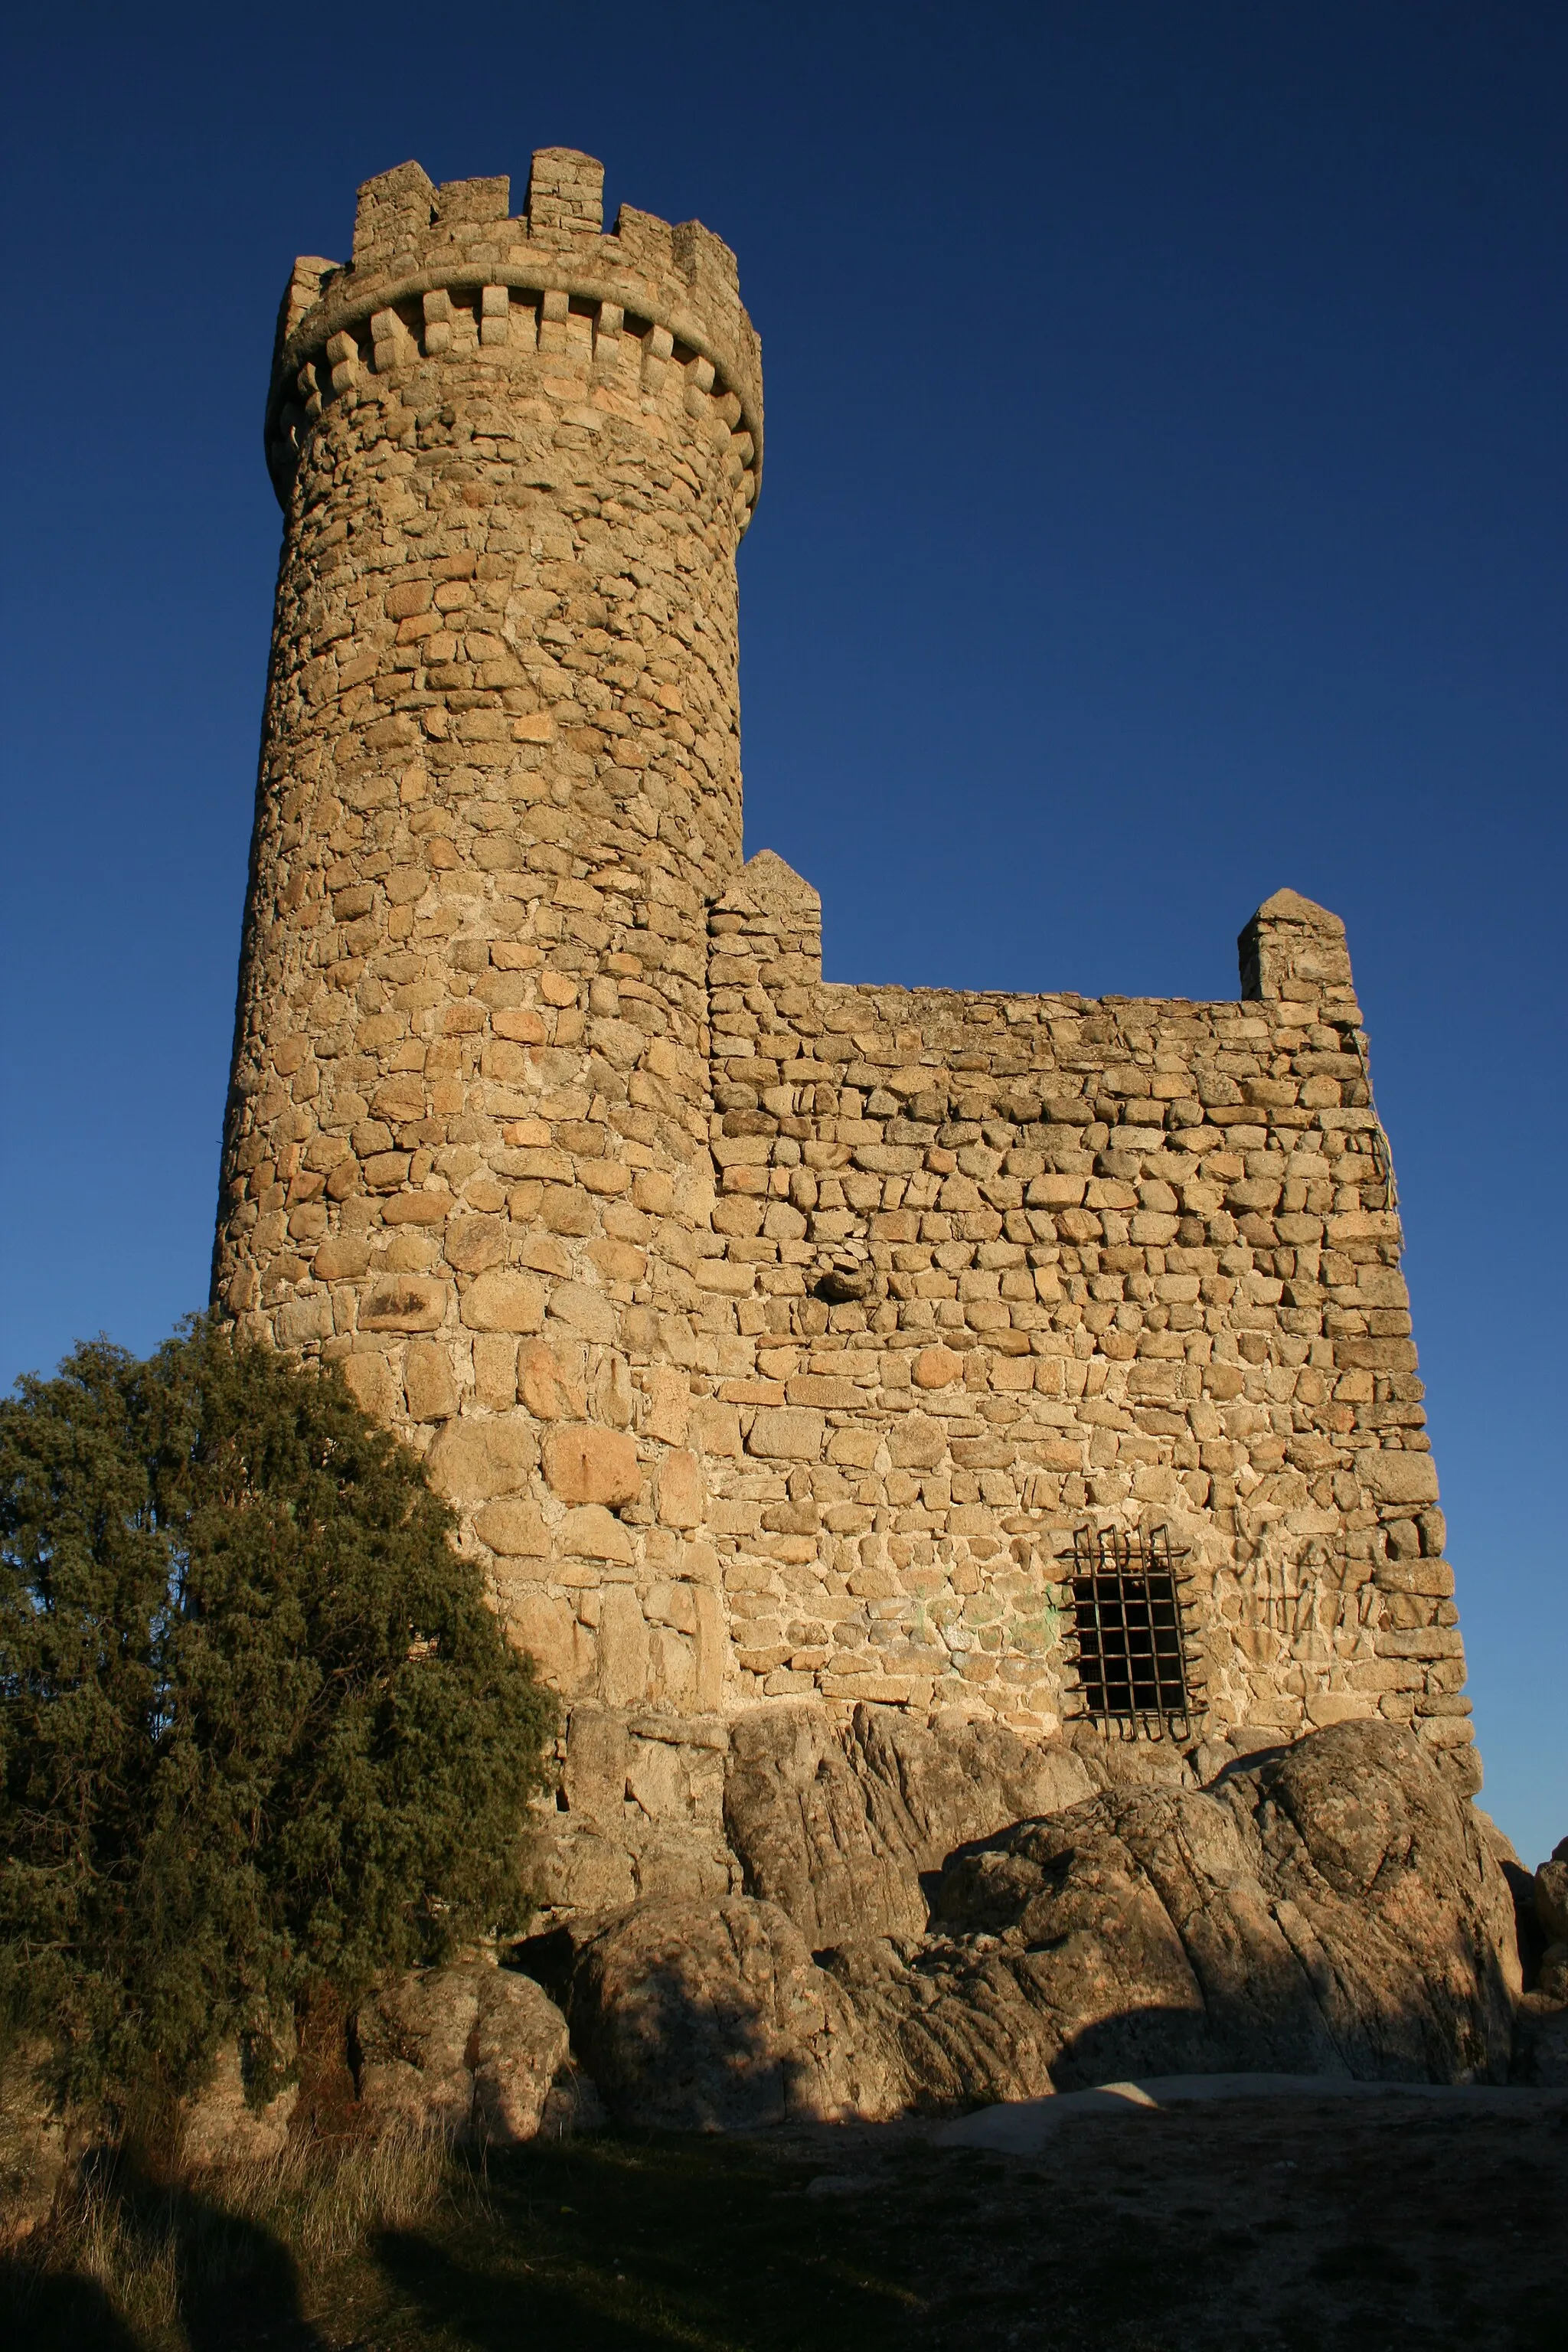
(1290,2226)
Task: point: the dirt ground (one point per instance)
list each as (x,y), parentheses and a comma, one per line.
(1277,2225)
(1263,2225)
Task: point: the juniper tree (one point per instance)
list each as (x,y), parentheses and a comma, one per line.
(258,1728)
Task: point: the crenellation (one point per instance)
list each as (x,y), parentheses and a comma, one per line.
(565,193)
(772,1337)
(393,210)
(568,287)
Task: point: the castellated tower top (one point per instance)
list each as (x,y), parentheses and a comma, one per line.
(419,248)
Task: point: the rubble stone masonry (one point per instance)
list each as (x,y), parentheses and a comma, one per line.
(772,1337)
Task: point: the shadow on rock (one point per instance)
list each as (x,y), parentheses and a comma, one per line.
(708,2017)
(1335,1908)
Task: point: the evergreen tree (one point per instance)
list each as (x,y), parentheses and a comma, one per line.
(258,1728)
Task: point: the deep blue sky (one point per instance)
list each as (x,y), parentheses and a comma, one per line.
(1165,502)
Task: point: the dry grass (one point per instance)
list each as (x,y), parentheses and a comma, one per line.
(130,2258)
(323,2202)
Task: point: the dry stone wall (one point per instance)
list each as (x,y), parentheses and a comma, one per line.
(772,1337)
(1015,1265)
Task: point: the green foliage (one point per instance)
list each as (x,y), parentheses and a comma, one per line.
(258,1728)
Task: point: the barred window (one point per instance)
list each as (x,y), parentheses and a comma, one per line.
(1127,1621)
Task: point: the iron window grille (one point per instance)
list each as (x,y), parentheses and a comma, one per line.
(1127,1624)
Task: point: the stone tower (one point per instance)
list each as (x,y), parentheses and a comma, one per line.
(1022,1361)
(467,1139)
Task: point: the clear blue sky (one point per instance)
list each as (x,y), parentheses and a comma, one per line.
(1165,503)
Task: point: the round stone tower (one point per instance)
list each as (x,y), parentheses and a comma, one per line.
(466,1152)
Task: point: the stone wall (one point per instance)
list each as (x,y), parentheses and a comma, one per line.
(771,1338)
(1012,1264)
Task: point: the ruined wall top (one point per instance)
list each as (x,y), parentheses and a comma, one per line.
(677,284)
(1293,952)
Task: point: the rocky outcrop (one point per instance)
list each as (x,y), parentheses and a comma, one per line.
(1333,1907)
(1540,2039)
(468,2052)
(1552,1896)
(44,2139)
(703,2016)
(841,1828)
(837,1825)
(943,1920)
(643,1815)
(1408,1918)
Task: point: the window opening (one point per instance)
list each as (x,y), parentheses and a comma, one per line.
(1127,1619)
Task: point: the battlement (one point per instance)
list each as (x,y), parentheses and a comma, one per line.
(1293,952)
(438,271)
(565,193)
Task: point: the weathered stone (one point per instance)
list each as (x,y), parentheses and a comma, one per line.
(1541,2028)
(667,1408)
(622,1648)
(546,1388)
(1399,1477)
(917,1443)
(428,1381)
(372,1386)
(798,1817)
(1332,1908)
(587,1870)
(788,1434)
(475,1243)
(1552,1896)
(598,1750)
(585,1464)
(412,2041)
(466,2052)
(546,1625)
(470,1460)
(583,1310)
(840,1830)
(519,2046)
(1335,1907)
(680,1494)
(712,2017)
(405,1302)
(513,1527)
(592,1532)
(643,1814)
(499,1301)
